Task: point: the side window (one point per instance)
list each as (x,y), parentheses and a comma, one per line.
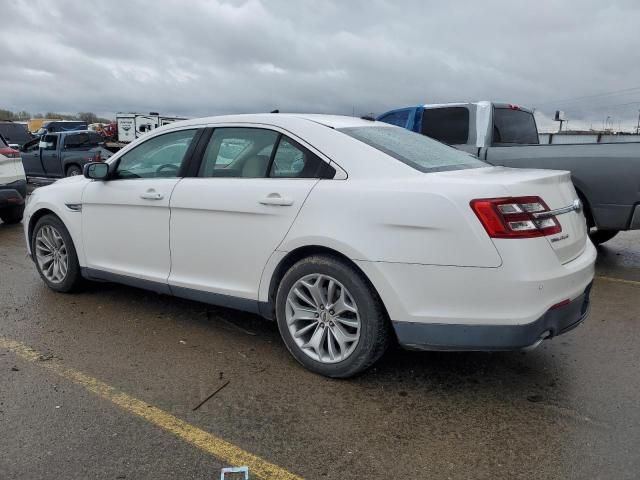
(159,156)
(292,160)
(398,118)
(50,142)
(94,139)
(238,152)
(77,140)
(448,125)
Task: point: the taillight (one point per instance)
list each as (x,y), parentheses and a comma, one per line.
(9,152)
(515,217)
(95,158)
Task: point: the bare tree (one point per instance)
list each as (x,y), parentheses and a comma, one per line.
(88,117)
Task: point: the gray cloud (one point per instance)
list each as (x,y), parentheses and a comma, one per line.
(210,57)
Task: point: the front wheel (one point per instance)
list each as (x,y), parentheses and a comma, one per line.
(330,318)
(73,170)
(599,237)
(12,214)
(55,255)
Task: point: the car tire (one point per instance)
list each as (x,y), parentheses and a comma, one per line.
(350,285)
(12,214)
(599,237)
(51,238)
(73,170)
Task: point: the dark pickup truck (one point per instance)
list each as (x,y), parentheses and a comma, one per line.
(605,175)
(63,154)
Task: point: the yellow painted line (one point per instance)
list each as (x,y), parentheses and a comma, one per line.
(618,280)
(219,448)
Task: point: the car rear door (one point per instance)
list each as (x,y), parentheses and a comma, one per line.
(229,219)
(125,220)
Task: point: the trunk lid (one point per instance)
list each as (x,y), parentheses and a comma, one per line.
(552,186)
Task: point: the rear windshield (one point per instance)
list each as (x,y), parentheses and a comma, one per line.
(417,151)
(514,127)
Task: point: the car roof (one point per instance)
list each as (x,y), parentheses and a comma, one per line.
(281,119)
(72,132)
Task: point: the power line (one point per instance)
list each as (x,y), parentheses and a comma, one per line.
(586,97)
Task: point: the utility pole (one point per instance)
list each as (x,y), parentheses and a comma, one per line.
(638,127)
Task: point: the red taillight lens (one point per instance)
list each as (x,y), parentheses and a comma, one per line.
(95,158)
(514,217)
(560,304)
(9,152)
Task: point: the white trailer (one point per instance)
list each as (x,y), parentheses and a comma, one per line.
(133,125)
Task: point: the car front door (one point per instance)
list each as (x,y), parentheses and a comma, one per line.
(226,222)
(125,219)
(50,156)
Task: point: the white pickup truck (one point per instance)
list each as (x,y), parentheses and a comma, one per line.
(13,184)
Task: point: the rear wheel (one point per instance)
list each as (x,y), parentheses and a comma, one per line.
(55,255)
(330,318)
(12,214)
(73,170)
(601,236)
(596,235)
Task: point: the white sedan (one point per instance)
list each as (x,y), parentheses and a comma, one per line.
(350,233)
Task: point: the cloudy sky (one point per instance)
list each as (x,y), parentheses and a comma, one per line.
(207,57)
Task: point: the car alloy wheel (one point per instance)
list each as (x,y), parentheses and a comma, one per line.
(323,318)
(51,254)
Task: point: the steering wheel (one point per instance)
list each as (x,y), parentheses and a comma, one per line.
(167,166)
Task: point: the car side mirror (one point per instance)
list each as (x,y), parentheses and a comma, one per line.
(96,170)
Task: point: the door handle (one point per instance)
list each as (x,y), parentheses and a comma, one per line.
(276,199)
(151,195)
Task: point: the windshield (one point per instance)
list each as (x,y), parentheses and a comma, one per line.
(417,151)
(15,133)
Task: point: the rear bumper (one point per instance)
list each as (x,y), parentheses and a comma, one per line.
(13,194)
(456,337)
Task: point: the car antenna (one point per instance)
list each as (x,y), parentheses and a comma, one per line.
(368,117)
(275,111)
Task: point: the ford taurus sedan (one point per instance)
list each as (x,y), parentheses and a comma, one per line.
(349,233)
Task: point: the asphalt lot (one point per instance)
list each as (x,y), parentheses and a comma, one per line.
(103,384)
